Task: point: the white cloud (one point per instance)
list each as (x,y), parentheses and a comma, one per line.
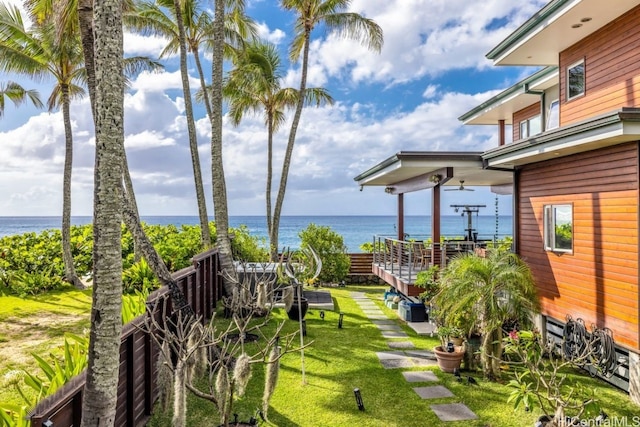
(275,36)
(139,45)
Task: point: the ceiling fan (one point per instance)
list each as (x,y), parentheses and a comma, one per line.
(461,188)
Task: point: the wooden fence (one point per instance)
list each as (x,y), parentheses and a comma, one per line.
(137,390)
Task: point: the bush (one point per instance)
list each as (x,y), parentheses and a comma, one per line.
(248,248)
(139,278)
(330,247)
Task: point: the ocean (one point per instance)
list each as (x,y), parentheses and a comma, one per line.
(355,230)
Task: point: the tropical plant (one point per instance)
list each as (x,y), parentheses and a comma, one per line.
(428,280)
(330,248)
(329,14)
(254,85)
(17,94)
(133,306)
(543,380)
(486,292)
(139,278)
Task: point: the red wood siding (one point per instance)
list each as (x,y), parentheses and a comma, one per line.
(612,70)
(524,114)
(598,282)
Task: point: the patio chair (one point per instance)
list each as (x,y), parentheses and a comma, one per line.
(421,255)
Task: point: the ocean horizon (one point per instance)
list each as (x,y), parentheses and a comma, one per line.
(354,229)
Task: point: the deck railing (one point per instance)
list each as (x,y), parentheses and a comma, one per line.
(137,390)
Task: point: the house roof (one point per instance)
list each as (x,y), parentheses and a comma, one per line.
(408,171)
(602,131)
(521,95)
(558,25)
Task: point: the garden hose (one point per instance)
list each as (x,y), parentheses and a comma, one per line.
(603,351)
(575,339)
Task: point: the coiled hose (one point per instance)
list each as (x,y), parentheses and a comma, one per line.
(575,340)
(604,351)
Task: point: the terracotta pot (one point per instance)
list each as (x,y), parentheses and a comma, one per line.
(457,341)
(449,361)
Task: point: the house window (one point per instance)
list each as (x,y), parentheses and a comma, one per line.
(575,80)
(558,228)
(530,127)
(553,116)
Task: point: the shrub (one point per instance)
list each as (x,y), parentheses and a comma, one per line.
(330,247)
(248,248)
(24,283)
(139,278)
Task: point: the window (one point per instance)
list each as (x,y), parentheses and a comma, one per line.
(575,80)
(553,116)
(558,228)
(530,127)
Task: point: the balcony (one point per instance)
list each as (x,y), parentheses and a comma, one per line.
(398,262)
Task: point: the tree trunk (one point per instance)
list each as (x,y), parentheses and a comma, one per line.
(69,269)
(273,245)
(191,128)
(100,393)
(179,396)
(286,163)
(217,170)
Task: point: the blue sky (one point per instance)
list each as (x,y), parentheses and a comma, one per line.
(431,70)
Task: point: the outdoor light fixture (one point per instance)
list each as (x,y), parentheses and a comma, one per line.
(359,401)
(322,315)
(340,320)
(388,190)
(48,423)
(361,187)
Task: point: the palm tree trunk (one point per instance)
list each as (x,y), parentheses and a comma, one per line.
(217,170)
(191,128)
(203,83)
(69,269)
(273,248)
(286,164)
(100,393)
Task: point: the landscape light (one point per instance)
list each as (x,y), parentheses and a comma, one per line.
(340,320)
(359,401)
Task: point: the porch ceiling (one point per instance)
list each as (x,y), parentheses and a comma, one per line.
(558,25)
(417,167)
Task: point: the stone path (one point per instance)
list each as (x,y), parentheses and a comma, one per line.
(404,355)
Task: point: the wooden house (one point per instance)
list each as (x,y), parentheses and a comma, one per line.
(573,164)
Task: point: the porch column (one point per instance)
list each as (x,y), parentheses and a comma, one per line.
(435,225)
(500,132)
(401,216)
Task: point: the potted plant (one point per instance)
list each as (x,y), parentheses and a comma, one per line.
(428,281)
(485,292)
(448,355)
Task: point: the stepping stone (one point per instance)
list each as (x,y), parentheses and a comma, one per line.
(425,354)
(386,355)
(401,344)
(453,412)
(373,313)
(394,334)
(419,376)
(397,363)
(358,295)
(377,316)
(386,321)
(389,327)
(433,392)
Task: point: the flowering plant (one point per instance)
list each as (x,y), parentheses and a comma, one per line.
(544,380)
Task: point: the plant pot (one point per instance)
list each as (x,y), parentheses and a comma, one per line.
(457,341)
(448,362)
(297,308)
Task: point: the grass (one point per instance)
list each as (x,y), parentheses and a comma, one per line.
(340,360)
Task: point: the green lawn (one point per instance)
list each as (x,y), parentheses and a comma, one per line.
(340,360)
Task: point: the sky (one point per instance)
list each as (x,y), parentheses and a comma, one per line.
(431,70)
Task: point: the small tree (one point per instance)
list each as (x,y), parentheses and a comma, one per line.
(331,250)
(487,291)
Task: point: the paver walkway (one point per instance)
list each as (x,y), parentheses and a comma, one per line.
(405,356)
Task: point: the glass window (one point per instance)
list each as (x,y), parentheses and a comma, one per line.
(530,127)
(575,80)
(524,129)
(558,228)
(553,117)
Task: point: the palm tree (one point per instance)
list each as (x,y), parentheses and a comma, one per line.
(100,392)
(311,13)
(486,292)
(39,52)
(17,94)
(254,85)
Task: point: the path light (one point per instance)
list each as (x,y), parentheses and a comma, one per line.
(304,327)
(359,401)
(322,315)
(340,320)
